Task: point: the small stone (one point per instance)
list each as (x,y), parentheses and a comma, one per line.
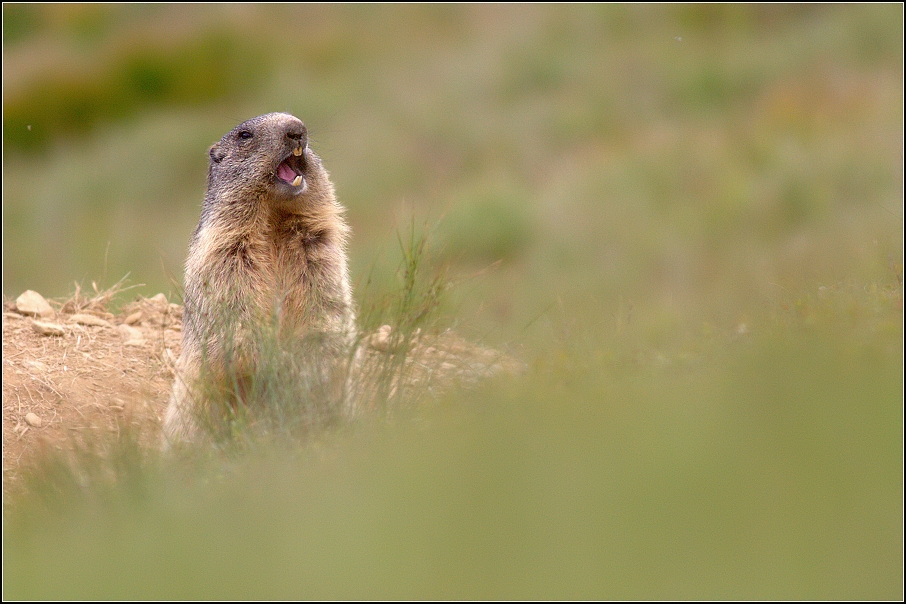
(160,300)
(47,329)
(90,320)
(129,332)
(33,303)
(132,335)
(133,318)
(33,420)
(380,340)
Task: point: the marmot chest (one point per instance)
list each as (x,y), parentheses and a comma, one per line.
(291,266)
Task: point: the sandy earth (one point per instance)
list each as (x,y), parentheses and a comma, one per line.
(93,372)
(80,369)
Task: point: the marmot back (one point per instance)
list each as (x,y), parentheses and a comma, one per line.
(269,254)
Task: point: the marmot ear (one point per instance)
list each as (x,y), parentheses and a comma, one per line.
(216,154)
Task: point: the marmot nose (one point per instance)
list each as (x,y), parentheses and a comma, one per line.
(298,135)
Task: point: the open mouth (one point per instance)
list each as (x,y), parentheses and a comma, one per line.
(290,170)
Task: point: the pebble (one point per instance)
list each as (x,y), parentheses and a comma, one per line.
(132,335)
(90,320)
(161,301)
(33,420)
(381,339)
(133,318)
(47,329)
(33,303)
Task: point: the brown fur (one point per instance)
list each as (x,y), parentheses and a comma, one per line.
(265,255)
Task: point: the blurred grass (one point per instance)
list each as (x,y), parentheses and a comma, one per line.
(697,213)
(770,471)
(598,123)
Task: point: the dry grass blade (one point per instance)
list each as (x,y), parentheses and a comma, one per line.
(97,303)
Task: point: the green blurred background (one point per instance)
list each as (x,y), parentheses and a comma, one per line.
(687,219)
(681,156)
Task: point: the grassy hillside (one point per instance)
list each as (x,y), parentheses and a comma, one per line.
(687,220)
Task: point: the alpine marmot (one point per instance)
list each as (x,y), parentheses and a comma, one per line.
(268,259)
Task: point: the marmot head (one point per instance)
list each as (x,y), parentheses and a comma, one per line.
(267,158)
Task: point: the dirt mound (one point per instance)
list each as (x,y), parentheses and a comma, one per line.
(72,369)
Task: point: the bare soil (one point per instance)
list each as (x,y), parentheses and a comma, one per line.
(86,379)
(70,377)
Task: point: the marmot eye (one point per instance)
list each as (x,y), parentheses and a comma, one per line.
(244,134)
